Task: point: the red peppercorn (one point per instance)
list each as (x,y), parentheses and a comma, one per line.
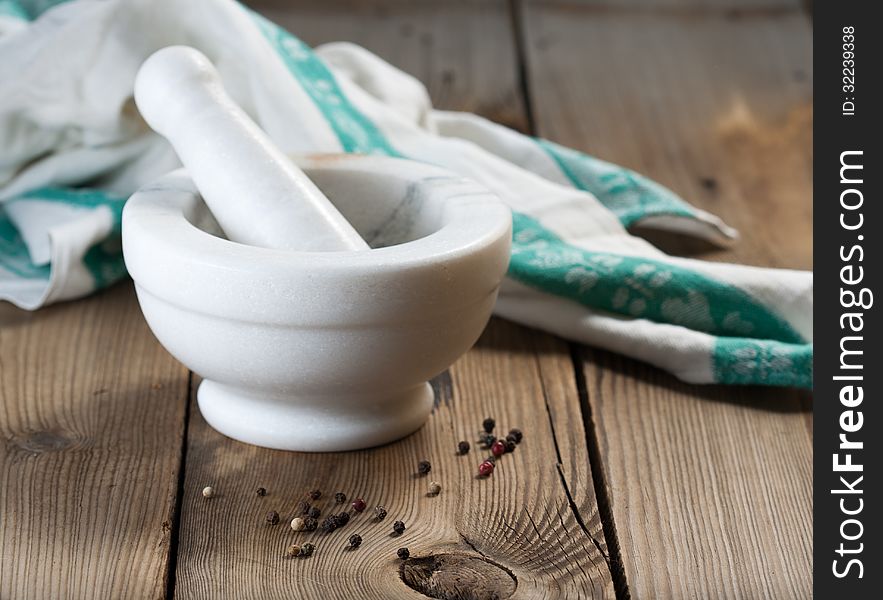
(359,505)
(498,448)
(485,468)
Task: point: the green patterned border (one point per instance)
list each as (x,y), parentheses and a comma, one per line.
(14,256)
(356,133)
(745,361)
(639,287)
(628,195)
(103,260)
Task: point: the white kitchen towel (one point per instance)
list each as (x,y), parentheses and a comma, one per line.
(73,148)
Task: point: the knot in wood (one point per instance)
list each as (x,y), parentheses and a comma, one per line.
(458,577)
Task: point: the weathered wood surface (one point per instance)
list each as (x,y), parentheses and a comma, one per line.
(706,490)
(710,487)
(530,531)
(91,431)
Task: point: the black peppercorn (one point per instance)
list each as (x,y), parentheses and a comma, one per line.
(355,540)
(511,438)
(315,494)
(380,513)
(489,424)
(273,517)
(340,497)
(516,433)
(463,447)
(329,524)
(398,527)
(303,507)
(488,440)
(310,524)
(315,512)
(510,446)
(261,491)
(342,519)
(423,467)
(307,549)
(403,553)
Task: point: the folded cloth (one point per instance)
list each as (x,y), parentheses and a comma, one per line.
(74,148)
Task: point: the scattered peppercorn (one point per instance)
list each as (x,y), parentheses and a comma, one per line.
(398,527)
(510,446)
(463,447)
(434,488)
(298,524)
(293,550)
(303,507)
(273,517)
(261,491)
(307,549)
(516,433)
(358,505)
(315,512)
(340,497)
(486,468)
(355,540)
(488,440)
(488,424)
(511,438)
(315,494)
(310,524)
(380,513)
(342,519)
(499,448)
(403,553)
(423,467)
(329,524)
(208,491)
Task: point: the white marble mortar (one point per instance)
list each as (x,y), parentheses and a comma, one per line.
(322,351)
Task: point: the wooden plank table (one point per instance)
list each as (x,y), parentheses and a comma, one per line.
(628,482)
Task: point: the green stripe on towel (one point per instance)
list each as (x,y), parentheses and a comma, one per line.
(639,287)
(14,256)
(628,195)
(356,133)
(745,361)
(103,260)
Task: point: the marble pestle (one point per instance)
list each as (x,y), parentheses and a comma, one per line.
(258,196)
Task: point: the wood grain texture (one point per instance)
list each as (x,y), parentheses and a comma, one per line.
(530,531)
(91,431)
(710,488)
